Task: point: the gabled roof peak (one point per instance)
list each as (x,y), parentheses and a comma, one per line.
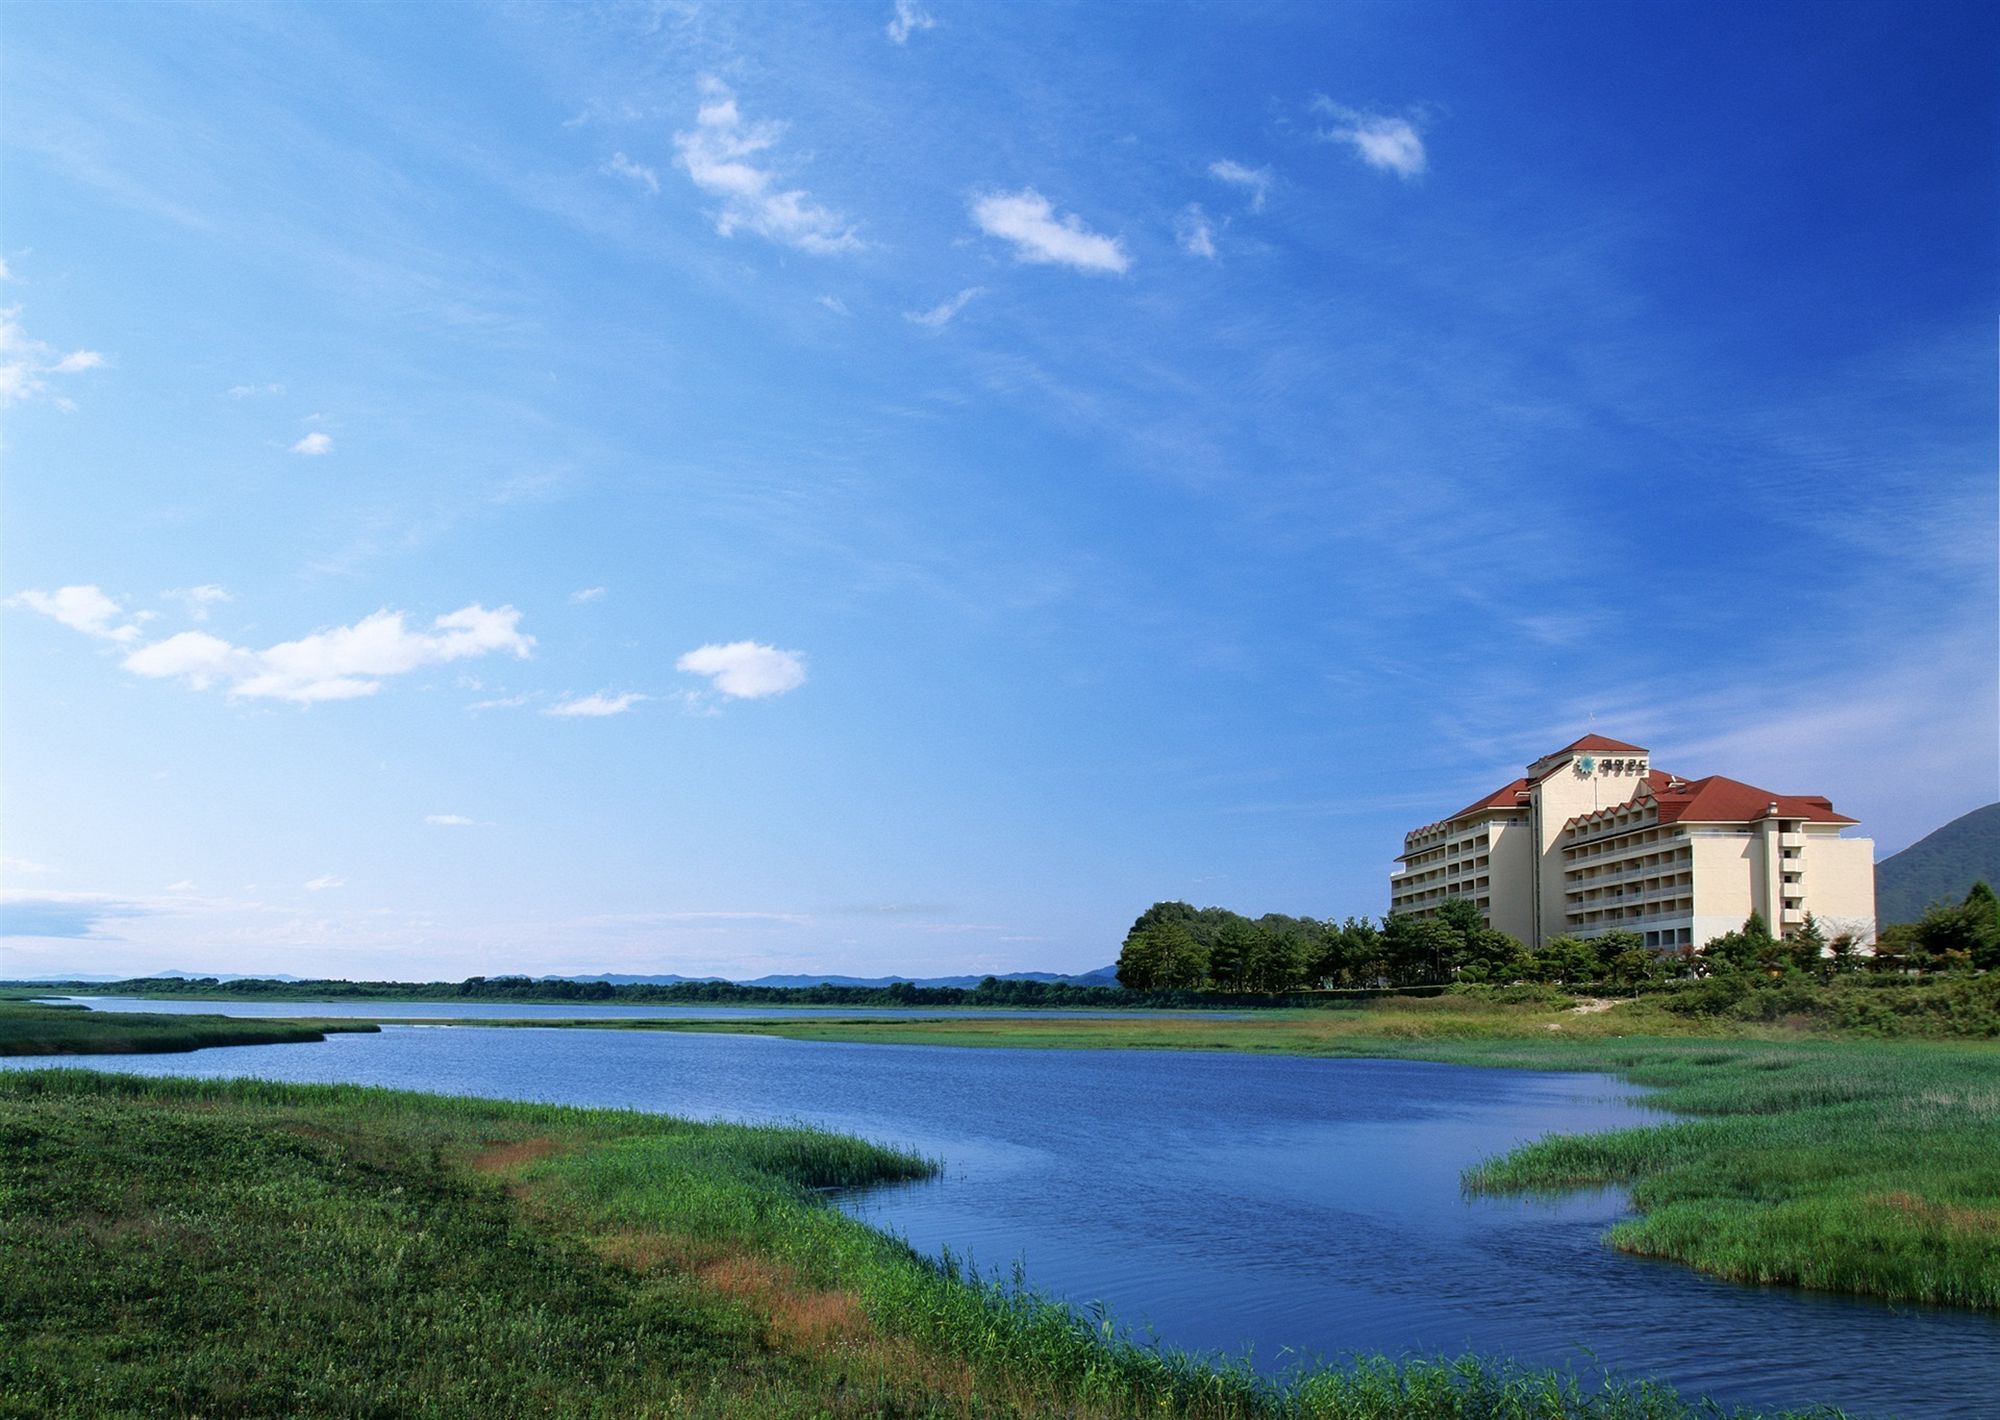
(1600,744)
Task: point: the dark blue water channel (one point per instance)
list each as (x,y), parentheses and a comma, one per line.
(1293,1206)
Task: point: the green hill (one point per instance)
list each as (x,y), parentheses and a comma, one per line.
(1940,866)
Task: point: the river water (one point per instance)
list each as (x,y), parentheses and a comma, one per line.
(1291,1206)
(560,1011)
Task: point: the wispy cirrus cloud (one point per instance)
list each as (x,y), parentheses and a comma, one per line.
(255,391)
(1193,233)
(198,600)
(1255,181)
(342,663)
(908,19)
(582,596)
(596,706)
(618,165)
(746,670)
(721,154)
(83,608)
(942,314)
(1028,221)
(1382,141)
(448,821)
(26,364)
(314,444)
(324,882)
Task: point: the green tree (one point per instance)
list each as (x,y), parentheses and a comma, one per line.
(1184,961)
(1805,946)
(1230,953)
(1747,950)
(1418,951)
(1564,961)
(1140,960)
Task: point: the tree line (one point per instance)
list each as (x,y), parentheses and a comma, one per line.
(1174,946)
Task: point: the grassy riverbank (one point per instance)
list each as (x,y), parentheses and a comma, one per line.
(30,1029)
(1854,1165)
(239,1248)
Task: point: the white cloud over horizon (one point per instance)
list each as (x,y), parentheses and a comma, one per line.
(596,706)
(942,314)
(746,670)
(1028,221)
(908,19)
(717,153)
(1381,140)
(81,608)
(342,663)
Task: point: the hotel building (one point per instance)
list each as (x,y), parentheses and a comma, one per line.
(1593,839)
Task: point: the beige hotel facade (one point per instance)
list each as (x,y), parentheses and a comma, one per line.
(1593,839)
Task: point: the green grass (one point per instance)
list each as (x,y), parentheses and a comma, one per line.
(235,1248)
(30,1029)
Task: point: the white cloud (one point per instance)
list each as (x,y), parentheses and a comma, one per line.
(1192,231)
(835,304)
(85,609)
(249,391)
(1391,144)
(1028,220)
(746,670)
(585,594)
(26,363)
(339,664)
(448,820)
(325,881)
(717,154)
(21,865)
(184,885)
(509,702)
(596,706)
(314,444)
(941,314)
(908,18)
(622,166)
(198,600)
(1255,181)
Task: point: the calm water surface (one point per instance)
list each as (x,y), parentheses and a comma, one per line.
(1297,1207)
(558,1011)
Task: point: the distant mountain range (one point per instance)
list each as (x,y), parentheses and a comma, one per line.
(1103,976)
(1939,867)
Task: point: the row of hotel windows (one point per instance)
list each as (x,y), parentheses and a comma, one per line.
(1456,848)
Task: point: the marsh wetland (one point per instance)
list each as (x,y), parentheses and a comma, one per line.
(1291,1208)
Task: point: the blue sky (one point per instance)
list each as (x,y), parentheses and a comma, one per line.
(900,488)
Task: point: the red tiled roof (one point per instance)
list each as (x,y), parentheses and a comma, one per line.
(1508,796)
(1717,799)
